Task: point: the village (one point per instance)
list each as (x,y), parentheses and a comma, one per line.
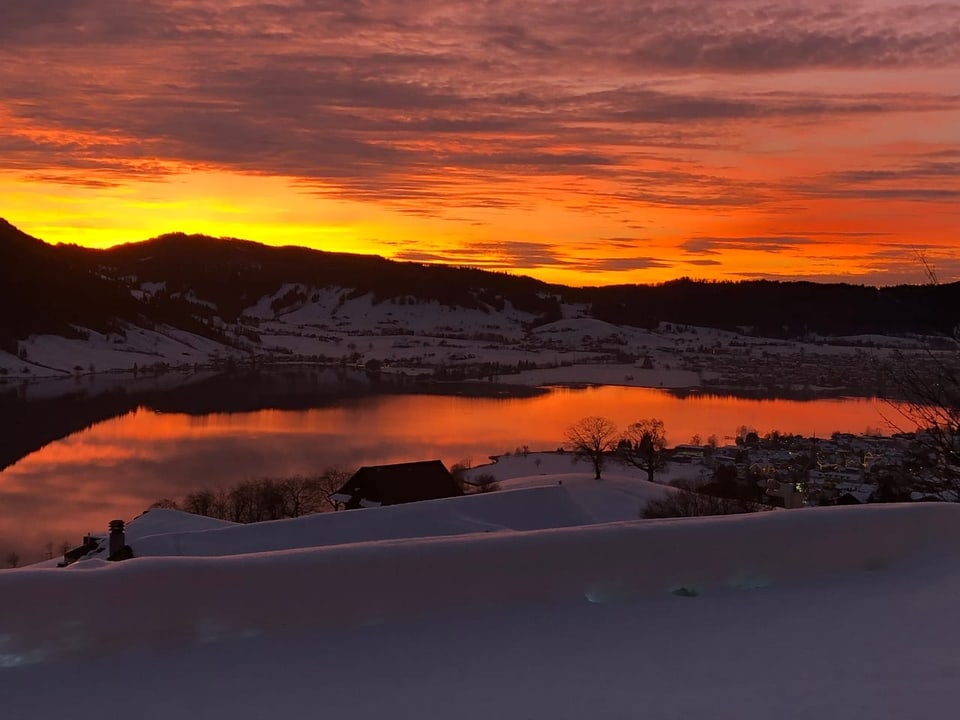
(793,471)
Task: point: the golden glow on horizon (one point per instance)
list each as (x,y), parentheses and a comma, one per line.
(265,209)
(277,211)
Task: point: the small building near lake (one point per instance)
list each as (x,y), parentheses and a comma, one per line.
(376,485)
(689,453)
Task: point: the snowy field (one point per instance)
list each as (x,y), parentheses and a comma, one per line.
(547,599)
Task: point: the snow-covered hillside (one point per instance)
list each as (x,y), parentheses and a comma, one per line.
(331,325)
(409,337)
(188,300)
(839,612)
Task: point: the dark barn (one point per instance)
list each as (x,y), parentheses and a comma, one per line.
(395,484)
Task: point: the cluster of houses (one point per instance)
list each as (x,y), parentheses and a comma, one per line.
(785,367)
(795,471)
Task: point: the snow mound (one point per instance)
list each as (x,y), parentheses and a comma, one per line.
(159,602)
(163,520)
(527,509)
(616,497)
(581,325)
(620,495)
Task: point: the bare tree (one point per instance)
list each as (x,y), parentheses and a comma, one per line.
(643,446)
(240,502)
(926,391)
(687,502)
(593,438)
(299,495)
(459,472)
(267,498)
(926,394)
(329,482)
(479,484)
(745,432)
(199,503)
(221,503)
(13,559)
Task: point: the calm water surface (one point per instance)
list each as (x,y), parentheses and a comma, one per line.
(117,468)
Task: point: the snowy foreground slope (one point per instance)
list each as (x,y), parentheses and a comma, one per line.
(818,613)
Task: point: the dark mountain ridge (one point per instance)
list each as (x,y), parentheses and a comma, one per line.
(54,289)
(786,309)
(234,274)
(203,282)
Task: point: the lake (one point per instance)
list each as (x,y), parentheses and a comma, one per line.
(117,467)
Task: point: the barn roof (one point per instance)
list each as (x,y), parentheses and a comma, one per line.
(399,483)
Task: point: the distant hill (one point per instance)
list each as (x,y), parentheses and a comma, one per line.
(202,285)
(785,309)
(54,289)
(234,274)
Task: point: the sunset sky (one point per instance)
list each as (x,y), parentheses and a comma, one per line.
(584,142)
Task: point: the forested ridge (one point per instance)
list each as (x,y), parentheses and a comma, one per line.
(57,289)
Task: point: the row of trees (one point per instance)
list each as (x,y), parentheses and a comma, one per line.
(265,499)
(598,439)
(642,445)
(927,395)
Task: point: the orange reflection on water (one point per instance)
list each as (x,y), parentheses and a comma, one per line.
(541,422)
(147,424)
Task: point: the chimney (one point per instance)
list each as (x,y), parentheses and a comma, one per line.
(117,540)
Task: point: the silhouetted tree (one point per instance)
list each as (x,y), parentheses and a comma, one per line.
(328,482)
(929,382)
(485,483)
(927,395)
(643,446)
(199,503)
(593,438)
(266,498)
(725,483)
(685,501)
(744,432)
(893,485)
